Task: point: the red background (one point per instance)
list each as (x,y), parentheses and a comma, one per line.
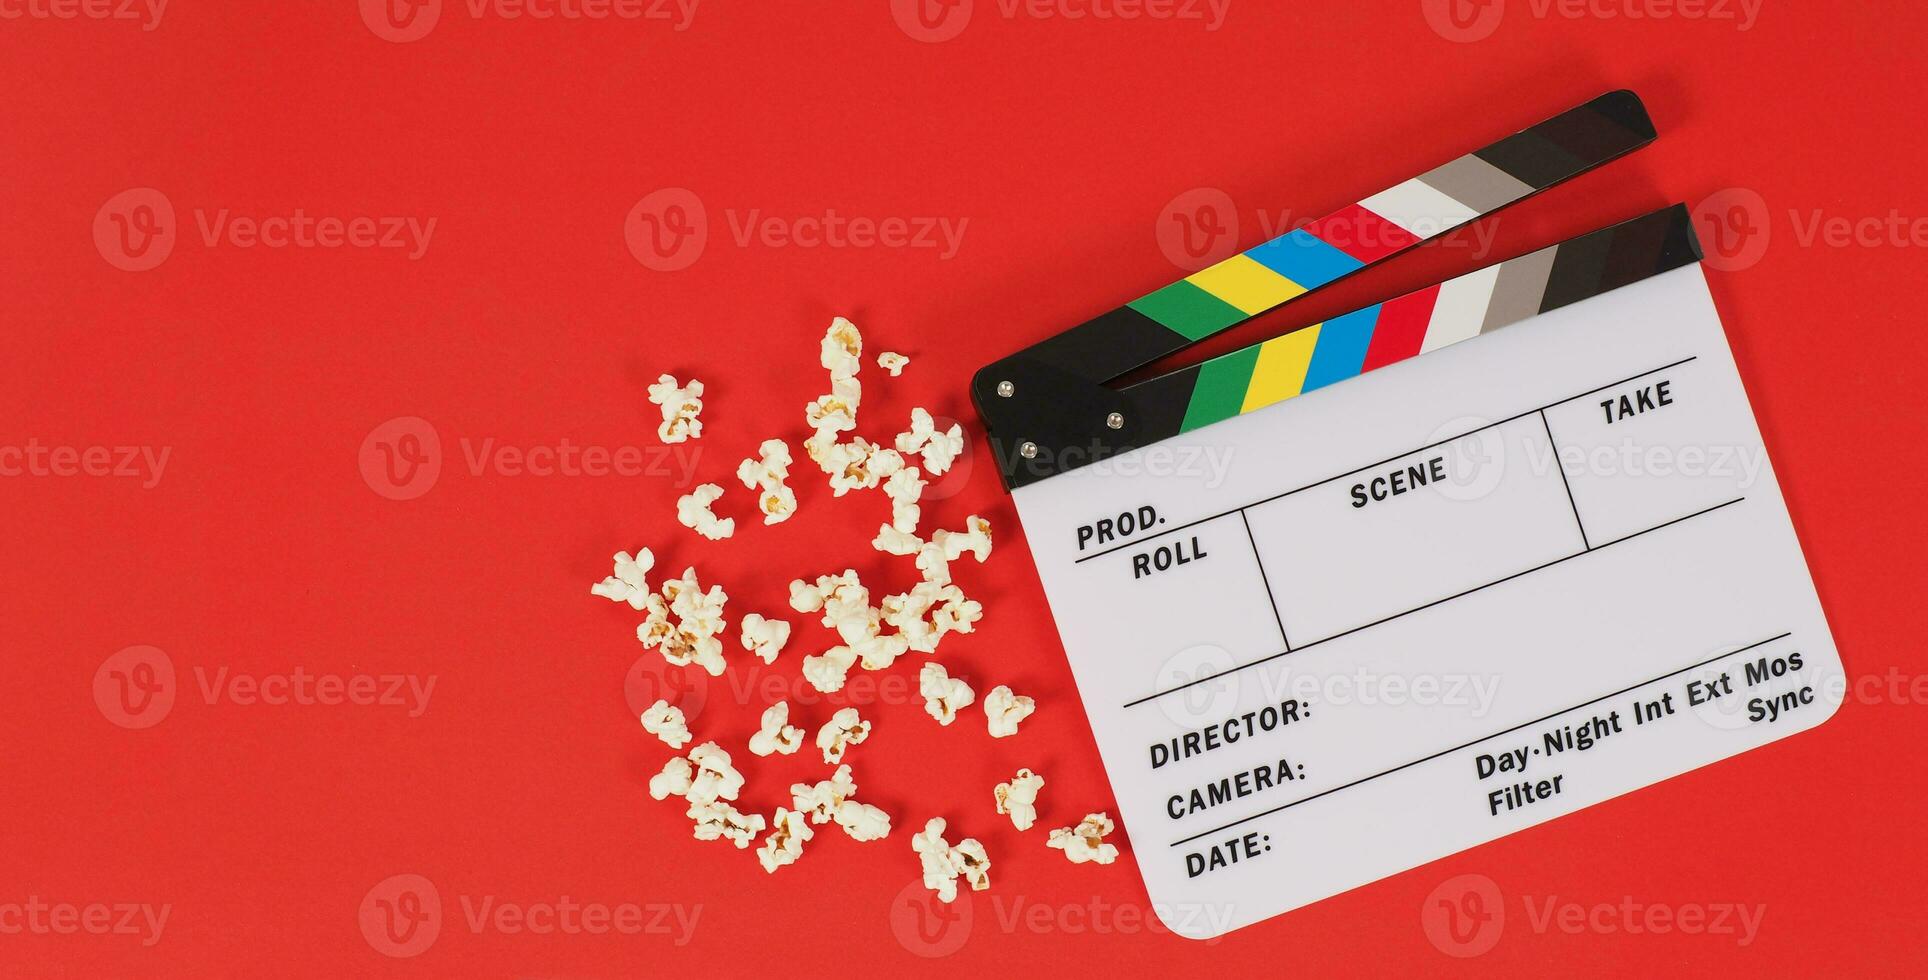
(527,321)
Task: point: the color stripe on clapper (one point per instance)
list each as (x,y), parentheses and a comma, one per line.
(1458,309)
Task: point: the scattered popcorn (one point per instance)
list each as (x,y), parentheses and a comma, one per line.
(714,779)
(943,694)
(1019,797)
(842,349)
(1086,841)
(830,414)
(843,730)
(1003,710)
(976,539)
(665,721)
(942,863)
(765,637)
(777,734)
(681,406)
(674,780)
(693,512)
(939,449)
(893,362)
(862,821)
(695,636)
(628,583)
(859,465)
(821,801)
(784,846)
(716,820)
(765,475)
(905,488)
(828,671)
(892,541)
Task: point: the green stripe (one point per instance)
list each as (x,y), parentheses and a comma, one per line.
(1220,391)
(1187,309)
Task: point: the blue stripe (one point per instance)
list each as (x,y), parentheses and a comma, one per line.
(1342,348)
(1306,260)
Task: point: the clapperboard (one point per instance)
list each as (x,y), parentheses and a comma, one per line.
(1399,583)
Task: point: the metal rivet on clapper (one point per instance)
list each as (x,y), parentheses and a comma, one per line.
(1006,389)
(1029,450)
(1115,421)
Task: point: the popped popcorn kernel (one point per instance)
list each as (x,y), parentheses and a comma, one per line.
(804,597)
(680,407)
(665,721)
(776,734)
(932,565)
(973,863)
(943,863)
(939,449)
(862,821)
(820,801)
(905,488)
(766,474)
(943,694)
(842,349)
(1086,841)
(674,780)
(764,637)
(828,671)
(1019,798)
(693,512)
(694,636)
(975,538)
(843,730)
(716,821)
(1003,710)
(628,583)
(784,845)
(893,362)
(714,779)
(892,541)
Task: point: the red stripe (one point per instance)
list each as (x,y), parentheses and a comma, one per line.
(1401,328)
(1361,234)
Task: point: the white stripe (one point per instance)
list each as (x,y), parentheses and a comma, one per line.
(1419,208)
(1460,308)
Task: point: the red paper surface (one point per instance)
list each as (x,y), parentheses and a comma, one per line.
(1052,141)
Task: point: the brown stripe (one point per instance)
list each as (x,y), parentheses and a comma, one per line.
(1477,184)
(1517,294)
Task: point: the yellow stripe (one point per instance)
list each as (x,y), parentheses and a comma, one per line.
(1244,283)
(1280,373)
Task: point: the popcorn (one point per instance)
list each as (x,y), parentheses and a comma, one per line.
(680,406)
(828,671)
(1003,710)
(830,414)
(628,584)
(892,541)
(1019,798)
(714,779)
(893,362)
(665,721)
(858,465)
(788,831)
(722,821)
(932,565)
(776,735)
(842,350)
(943,694)
(879,652)
(943,863)
(1085,842)
(905,488)
(765,637)
(958,614)
(695,636)
(862,821)
(843,730)
(821,801)
(765,475)
(975,538)
(674,780)
(693,512)
(939,449)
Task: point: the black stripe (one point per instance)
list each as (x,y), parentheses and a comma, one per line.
(1576,269)
(1109,345)
(1621,255)
(1574,141)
